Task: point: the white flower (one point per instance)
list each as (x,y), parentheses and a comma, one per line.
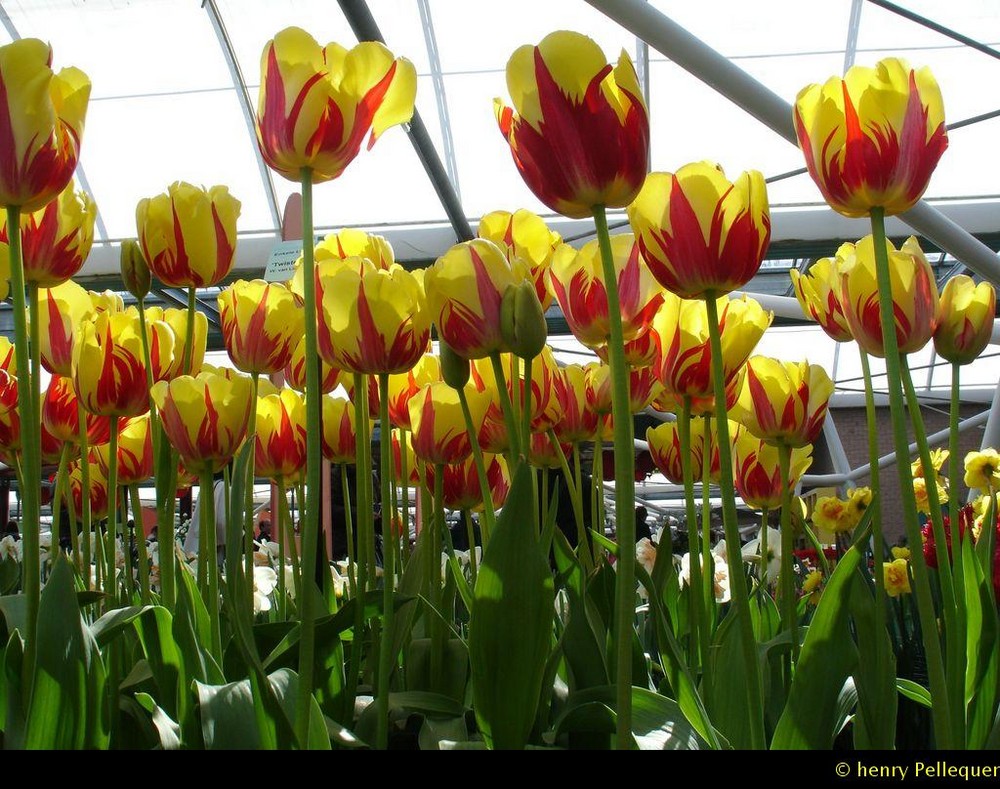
(751,552)
(339,582)
(267,554)
(720,572)
(463,556)
(10,548)
(645,554)
(264,581)
(289,573)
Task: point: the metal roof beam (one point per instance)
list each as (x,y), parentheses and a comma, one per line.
(363,24)
(437,77)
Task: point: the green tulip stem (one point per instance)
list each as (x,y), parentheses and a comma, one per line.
(57,502)
(955,641)
(248,512)
(140,544)
(957,666)
(404,477)
(470,530)
(508,411)
(286,530)
(621,411)
(764,552)
(30,436)
(790,619)
(696,597)
(708,560)
(121,499)
(112,527)
(209,555)
(352,567)
(488,519)
(154,422)
(386,657)
(941,709)
(313,505)
(583,544)
(597,486)
(188,365)
(878,536)
(574,496)
(526,409)
(737,577)
(81,423)
(437,626)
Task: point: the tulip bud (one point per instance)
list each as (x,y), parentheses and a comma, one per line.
(454,369)
(135,272)
(522,321)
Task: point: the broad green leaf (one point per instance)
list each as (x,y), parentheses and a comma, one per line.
(14,610)
(227,713)
(167,730)
(875,722)
(67,707)
(14,703)
(981,679)
(10,575)
(455,669)
(914,691)
(582,646)
(114,622)
(828,656)
(342,736)
(510,629)
(657,722)
(846,702)
(433,731)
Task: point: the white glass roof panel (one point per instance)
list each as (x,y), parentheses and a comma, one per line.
(882,28)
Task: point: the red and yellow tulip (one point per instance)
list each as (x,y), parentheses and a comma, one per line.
(784,402)
(135,452)
(204,417)
(577,422)
(701,234)
(280,444)
(597,380)
(339,435)
(188,234)
(965,319)
(685,363)
(643,351)
(167,365)
(579,130)
(97,493)
(872,138)
(460,484)
(109,374)
(464,289)
(914,295)
(261,324)
(373,394)
(62,310)
(295,371)
(439,434)
(665,449)
(577,280)
(8,360)
(370,320)
(60,414)
(106,301)
(10,420)
(41,124)
(403,386)
(344,245)
(756,469)
(412,473)
(316,104)
(818,292)
(55,239)
(543,454)
(528,242)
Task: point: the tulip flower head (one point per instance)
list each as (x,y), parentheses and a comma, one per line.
(439,434)
(818,292)
(784,402)
(98,492)
(10,420)
(914,295)
(528,242)
(134,270)
(965,319)
(339,435)
(597,379)
(577,280)
(643,351)
(316,104)
(167,356)
(188,234)
(460,485)
(897,577)
(135,452)
(579,130)
(280,443)
(577,422)
(701,234)
(403,386)
(55,239)
(60,414)
(61,312)
(370,320)
(756,470)
(465,288)
(872,138)
(8,359)
(41,124)
(204,417)
(109,374)
(295,371)
(398,453)
(665,449)
(336,248)
(543,453)
(106,301)
(261,324)
(685,363)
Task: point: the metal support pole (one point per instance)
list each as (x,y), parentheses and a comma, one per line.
(728,79)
